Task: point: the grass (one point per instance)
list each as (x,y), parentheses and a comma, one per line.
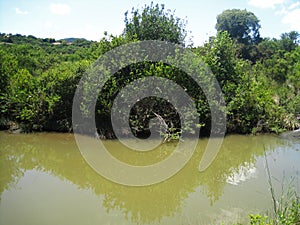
(287,214)
(286,208)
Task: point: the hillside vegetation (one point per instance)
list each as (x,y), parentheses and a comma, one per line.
(259,77)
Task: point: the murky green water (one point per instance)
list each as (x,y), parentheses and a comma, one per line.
(45,180)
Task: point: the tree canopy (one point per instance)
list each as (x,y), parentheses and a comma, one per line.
(240,24)
(154,22)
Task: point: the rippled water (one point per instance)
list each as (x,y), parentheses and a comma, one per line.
(45,180)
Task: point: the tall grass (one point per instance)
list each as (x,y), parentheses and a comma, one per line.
(286,207)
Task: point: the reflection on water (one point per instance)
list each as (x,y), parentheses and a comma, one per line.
(44,180)
(242,174)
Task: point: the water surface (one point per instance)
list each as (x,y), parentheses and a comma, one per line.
(45,180)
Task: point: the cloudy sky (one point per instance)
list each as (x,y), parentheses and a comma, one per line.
(89,19)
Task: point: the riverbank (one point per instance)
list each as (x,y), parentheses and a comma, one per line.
(15,128)
(37,88)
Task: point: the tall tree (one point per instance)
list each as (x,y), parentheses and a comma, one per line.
(155,23)
(289,41)
(240,24)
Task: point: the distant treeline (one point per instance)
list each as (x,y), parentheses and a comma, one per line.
(259,77)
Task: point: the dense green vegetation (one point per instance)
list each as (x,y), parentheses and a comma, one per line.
(260,77)
(287,214)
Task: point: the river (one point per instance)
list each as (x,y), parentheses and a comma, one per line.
(45,180)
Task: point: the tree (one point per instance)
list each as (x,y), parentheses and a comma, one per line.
(240,24)
(289,41)
(8,67)
(220,55)
(155,23)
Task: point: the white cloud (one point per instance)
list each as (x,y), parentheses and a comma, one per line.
(290,13)
(19,11)
(282,11)
(294,5)
(60,9)
(292,18)
(265,3)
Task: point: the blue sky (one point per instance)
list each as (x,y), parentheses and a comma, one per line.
(89,19)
